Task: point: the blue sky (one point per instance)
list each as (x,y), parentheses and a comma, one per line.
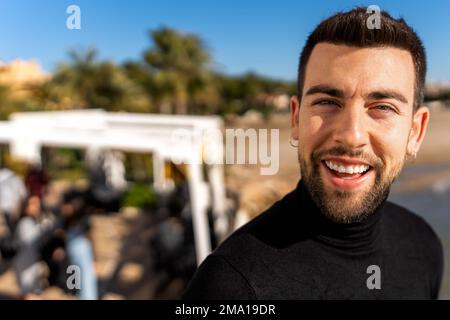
(254,35)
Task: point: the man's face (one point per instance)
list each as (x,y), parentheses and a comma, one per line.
(355,124)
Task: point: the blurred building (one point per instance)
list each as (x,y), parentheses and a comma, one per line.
(18,75)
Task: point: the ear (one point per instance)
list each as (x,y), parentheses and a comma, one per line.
(418,129)
(295,106)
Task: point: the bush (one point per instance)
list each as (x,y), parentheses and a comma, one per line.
(139,196)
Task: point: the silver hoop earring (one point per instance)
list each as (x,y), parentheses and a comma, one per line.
(291,142)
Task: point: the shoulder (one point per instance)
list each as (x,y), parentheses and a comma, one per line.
(26,228)
(411,227)
(217,278)
(415,237)
(227,272)
(407,220)
(263,233)
(26,223)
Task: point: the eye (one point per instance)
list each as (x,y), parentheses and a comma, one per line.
(326,102)
(385,108)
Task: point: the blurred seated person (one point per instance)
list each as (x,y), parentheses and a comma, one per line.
(33,226)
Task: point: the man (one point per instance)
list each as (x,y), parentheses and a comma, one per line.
(357,116)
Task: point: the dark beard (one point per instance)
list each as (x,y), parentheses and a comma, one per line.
(337,206)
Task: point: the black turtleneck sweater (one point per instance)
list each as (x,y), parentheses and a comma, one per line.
(292,251)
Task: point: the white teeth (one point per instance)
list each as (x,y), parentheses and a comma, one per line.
(346,169)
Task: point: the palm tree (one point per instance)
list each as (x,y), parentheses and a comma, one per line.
(180,67)
(5,102)
(84,82)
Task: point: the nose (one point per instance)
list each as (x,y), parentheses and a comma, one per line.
(350,128)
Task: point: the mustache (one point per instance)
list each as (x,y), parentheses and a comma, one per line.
(359,154)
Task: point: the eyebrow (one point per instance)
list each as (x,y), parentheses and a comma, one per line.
(331,91)
(387,94)
(338,93)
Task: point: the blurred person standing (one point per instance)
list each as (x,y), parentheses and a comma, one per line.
(78,246)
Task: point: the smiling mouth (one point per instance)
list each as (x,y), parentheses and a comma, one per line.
(345,175)
(346,171)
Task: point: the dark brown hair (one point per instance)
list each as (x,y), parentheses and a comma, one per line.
(350,28)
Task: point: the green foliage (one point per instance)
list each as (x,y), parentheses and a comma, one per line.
(139,196)
(179,72)
(175,75)
(173,51)
(7,104)
(139,167)
(86,83)
(64,163)
(240,94)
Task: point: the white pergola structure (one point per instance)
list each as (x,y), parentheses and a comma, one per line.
(26,133)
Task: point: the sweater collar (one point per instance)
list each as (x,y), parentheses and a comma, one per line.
(356,237)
